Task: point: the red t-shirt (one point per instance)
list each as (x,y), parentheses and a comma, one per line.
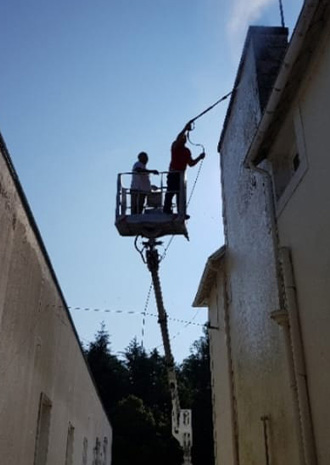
(181,157)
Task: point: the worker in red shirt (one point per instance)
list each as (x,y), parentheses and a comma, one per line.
(180,158)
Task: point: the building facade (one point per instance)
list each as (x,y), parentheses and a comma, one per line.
(50,412)
(267,289)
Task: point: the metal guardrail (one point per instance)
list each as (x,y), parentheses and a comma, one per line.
(155,198)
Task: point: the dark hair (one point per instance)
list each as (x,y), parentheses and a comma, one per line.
(142,154)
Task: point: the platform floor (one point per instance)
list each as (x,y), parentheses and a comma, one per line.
(151,225)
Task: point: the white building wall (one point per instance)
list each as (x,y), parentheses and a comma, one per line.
(224,431)
(261,383)
(266,381)
(304,226)
(39,349)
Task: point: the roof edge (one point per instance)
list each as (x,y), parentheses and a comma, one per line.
(211,268)
(294,48)
(26,206)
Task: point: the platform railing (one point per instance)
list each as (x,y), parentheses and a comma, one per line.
(154,199)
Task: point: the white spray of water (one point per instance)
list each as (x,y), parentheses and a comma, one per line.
(244,13)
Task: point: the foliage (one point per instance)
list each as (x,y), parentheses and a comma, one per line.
(135,394)
(110,373)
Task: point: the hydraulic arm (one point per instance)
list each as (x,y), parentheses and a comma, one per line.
(181,418)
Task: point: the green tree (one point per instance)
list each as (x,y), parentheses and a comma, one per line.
(137,439)
(136,396)
(148,379)
(110,374)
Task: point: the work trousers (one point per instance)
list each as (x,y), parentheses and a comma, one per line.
(137,201)
(173,188)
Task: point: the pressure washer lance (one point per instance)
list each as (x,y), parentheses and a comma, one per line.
(190,126)
(209,108)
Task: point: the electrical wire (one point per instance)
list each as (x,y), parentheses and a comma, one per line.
(188,323)
(145,313)
(126,312)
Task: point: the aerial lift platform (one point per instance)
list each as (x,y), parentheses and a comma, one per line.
(150,225)
(152,222)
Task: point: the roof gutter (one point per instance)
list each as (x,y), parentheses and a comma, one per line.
(294,48)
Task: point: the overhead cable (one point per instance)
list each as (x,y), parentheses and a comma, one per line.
(126,312)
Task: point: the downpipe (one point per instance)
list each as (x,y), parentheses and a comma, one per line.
(288,318)
(299,359)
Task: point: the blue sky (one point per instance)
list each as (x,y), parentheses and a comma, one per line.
(87,84)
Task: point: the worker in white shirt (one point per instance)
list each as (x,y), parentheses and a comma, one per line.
(140,185)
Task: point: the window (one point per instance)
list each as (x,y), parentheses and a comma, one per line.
(284,167)
(69,446)
(97,452)
(85,451)
(105,450)
(288,159)
(43,427)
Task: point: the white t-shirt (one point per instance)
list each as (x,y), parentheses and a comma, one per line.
(140,181)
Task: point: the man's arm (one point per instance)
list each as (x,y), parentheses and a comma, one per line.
(187,128)
(194,161)
(138,169)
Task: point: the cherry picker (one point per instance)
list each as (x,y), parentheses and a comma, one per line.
(151,224)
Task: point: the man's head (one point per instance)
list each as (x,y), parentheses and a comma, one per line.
(143,158)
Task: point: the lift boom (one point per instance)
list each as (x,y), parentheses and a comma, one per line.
(181,418)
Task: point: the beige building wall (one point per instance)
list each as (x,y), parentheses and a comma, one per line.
(50,412)
(213,295)
(222,411)
(304,226)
